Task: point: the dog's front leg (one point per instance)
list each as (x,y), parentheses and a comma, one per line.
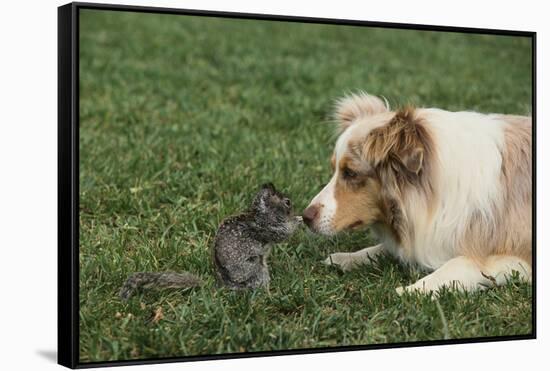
(461,273)
(350,260)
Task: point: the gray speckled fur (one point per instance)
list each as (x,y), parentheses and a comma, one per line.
(240,249)
(243,242)
(154,280)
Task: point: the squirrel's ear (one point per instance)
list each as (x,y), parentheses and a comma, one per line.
(259,202)
(353,106)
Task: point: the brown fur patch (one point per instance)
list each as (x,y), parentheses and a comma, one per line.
(357,203)
(516,178)
(400,141)
(510,231)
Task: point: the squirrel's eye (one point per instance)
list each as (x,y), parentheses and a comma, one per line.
(252,259)
(348,173)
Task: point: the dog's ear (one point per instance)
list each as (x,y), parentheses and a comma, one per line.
(403,141)
(353,106)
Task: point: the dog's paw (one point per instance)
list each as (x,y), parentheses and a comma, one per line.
(342,260)
(420,290)
(409,289)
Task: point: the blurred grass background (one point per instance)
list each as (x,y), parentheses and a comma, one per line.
(181,119)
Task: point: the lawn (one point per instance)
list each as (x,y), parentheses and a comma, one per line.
(182,118)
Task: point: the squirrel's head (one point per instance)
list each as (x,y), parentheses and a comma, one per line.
(269,201)
(273,212)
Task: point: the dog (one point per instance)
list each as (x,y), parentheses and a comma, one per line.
(450,192)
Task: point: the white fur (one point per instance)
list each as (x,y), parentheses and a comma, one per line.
(326,198)
(349,260)
(327,203)
(500,267)
(467,174)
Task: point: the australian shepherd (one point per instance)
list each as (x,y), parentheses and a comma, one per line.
(448,191)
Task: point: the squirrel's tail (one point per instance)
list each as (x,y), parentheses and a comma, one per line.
(157,280)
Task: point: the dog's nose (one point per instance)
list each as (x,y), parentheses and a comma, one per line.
(310,213)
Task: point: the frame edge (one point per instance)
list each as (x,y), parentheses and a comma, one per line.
(68,157)
(67,259)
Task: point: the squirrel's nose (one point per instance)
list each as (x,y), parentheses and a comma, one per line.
(310,213)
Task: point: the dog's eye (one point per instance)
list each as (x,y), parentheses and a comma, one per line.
(348,173)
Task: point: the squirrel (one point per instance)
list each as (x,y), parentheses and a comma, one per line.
(241,247)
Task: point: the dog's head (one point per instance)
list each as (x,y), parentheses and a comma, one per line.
(379,154)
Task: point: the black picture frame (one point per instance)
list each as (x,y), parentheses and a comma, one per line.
(68,179)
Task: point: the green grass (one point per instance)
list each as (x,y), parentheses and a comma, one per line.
(183,117)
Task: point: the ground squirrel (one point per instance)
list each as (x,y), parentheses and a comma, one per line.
(240,249)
